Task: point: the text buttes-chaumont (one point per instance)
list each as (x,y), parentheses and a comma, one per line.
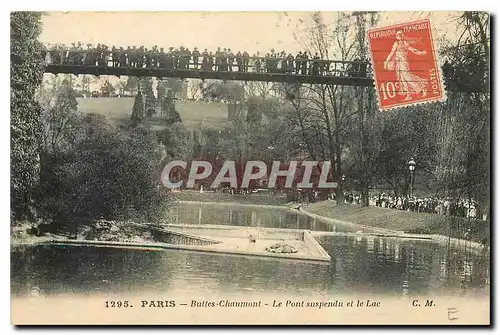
(225,303)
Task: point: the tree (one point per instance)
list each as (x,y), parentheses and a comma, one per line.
(195,89)
(254,114)
(93,179)
(25,130)
(107,89)
(406,133)
(121,85)
(365,150)
(168,111)
(177,140)
(335,120)
(173,85)
(138,112)
(323,112)
(84,85)
(59,118)
(150,100)
(463,158)
(229,91)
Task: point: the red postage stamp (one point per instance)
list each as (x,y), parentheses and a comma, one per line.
(405,66)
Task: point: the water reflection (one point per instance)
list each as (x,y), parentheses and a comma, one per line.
(238,215)
(359,264)
(359,267)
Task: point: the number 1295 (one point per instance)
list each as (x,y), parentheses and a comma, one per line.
(117,304)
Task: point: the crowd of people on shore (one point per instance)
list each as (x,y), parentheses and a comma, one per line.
(445,206)
(224,59)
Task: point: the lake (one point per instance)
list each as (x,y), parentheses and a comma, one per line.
(361,265)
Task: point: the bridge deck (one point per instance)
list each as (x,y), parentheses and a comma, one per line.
(203,74)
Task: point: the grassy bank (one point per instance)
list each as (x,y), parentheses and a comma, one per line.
(252,199)
(118,110)
(409,222)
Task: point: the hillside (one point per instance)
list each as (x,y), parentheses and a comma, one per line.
(213,115)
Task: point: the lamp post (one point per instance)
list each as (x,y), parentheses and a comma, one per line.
(411,167)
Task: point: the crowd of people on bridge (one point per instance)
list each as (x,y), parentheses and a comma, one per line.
(444,206)
(224,59)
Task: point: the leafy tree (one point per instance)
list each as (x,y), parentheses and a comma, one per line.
(59,118)
(93,180)
(25,130)
(107,89)
(174,85)
(195,89)
(83,85)
(224,90)
(177,140)
(121,85)
(463,158)
(138,113)
(170,114)
(150,100)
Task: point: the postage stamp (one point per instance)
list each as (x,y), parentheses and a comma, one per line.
(405,65)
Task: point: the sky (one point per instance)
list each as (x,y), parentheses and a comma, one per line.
(239,31)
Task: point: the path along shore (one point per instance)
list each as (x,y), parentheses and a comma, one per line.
(459,232)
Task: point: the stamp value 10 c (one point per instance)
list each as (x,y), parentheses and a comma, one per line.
(405,66)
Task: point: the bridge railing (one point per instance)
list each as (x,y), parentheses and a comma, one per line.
(263,65)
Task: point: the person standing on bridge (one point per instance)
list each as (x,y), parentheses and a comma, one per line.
(133,56)
(298,62)
(99,50)
(175,58)
(196,56)
(148,58)
(210,61)
(305,63)
(218,55)
(155,56)
(162,59)
(246,61)
(87,58)
(230,59)
(289,63)
(97,54)
(180,58)
(170,59)
(239,61)
(187,58)
(114,56)
(267,63)
(314,67)
(140,56)
(224,60)
(122,57)
(204,60)
(257,62)
(79,54)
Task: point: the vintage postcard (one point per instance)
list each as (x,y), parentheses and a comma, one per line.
(327,168)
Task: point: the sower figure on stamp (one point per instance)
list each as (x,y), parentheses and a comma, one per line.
(397,61)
